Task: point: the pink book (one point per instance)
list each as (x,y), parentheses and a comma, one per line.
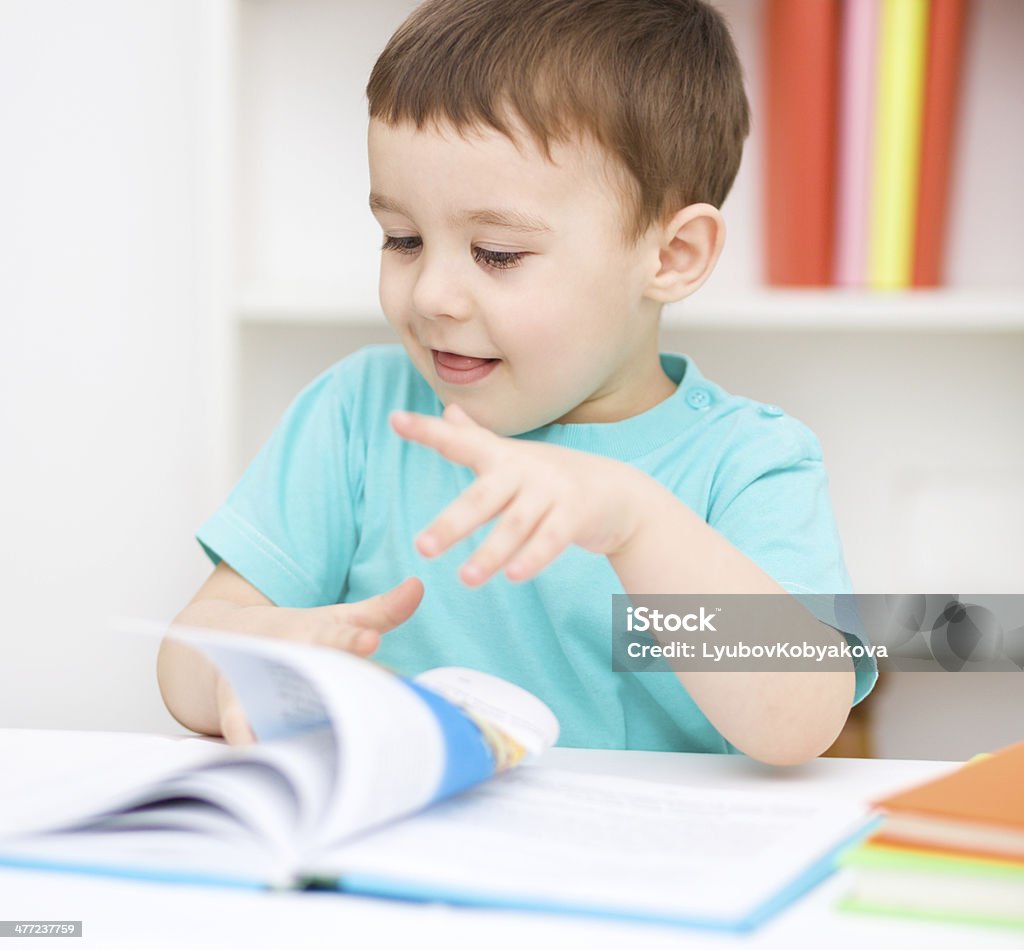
(859,38)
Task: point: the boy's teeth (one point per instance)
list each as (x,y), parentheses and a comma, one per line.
(455,361)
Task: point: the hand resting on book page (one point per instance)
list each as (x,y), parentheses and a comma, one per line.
(201,699)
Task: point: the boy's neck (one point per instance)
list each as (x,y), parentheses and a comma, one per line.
(624,402)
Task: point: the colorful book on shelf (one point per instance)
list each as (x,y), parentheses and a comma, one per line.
(801,81)
(897,142)
(365,782)
(951,848)
(945,43)
(857,75)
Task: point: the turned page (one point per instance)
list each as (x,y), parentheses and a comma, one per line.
(387,753)
(399,744)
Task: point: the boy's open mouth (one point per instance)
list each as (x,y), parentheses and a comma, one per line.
(456,368)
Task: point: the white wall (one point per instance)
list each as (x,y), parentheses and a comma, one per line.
(101,295)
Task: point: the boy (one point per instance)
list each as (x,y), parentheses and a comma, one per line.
(546,174)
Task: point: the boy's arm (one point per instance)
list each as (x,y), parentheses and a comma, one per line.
(198,697)
(550,496)
(187,679)
(782,718)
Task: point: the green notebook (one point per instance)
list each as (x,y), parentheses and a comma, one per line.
(941,885)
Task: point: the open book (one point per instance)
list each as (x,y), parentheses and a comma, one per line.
(348,748)
(344,746)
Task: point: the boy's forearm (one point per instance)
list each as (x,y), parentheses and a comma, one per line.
(187,679)
(781,718)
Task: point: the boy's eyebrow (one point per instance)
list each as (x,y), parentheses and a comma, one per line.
(496,217)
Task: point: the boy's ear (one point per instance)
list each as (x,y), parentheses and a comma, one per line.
(688,249)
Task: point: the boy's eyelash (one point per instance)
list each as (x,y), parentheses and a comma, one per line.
(498,260)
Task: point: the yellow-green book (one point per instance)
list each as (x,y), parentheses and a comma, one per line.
(940,885)
(897,142)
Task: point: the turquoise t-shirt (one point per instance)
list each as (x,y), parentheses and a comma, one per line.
(327,511)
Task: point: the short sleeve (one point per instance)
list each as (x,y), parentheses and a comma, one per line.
(289,525)
(772,502)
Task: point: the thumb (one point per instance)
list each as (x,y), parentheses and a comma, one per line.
(384,611)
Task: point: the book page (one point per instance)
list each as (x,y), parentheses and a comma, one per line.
(516,714)
(161,850)
(257,795)
(52,777)
(249,798)
(388,754)
(549,836)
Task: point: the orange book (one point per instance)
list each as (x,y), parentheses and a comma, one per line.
(802,61)
(978,808)
(945,43)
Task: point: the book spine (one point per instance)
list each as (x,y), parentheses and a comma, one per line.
(468,756)
(802,61)
(856,93)
(945,44)
(901,66)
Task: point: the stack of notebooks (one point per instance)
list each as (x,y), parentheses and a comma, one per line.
(861,113)
(949,849)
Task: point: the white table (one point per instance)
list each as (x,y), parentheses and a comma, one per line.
(118,913)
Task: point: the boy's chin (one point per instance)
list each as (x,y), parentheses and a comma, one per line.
(497,419)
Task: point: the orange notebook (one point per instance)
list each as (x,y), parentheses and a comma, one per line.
(945,42)
(802,60)
(979,808)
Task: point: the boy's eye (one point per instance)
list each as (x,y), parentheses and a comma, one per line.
(498,260)
(404,245)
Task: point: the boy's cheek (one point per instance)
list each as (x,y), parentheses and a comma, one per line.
(391,298)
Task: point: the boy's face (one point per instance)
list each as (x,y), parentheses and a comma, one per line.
(492,252)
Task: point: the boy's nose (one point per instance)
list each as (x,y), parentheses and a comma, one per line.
(438,292)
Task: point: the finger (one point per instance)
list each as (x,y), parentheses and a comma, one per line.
(340,634)
(326,627)
(463,444)
(233,723)
(456,414)
(382,612)
(477,505)
(235,727)
(514,528)
(550,539)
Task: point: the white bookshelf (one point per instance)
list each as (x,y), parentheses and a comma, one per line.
(955,310)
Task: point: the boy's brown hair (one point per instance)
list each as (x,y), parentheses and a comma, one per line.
(657,83)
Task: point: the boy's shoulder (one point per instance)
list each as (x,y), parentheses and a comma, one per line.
(747,426)
(379,376)
(372,359)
